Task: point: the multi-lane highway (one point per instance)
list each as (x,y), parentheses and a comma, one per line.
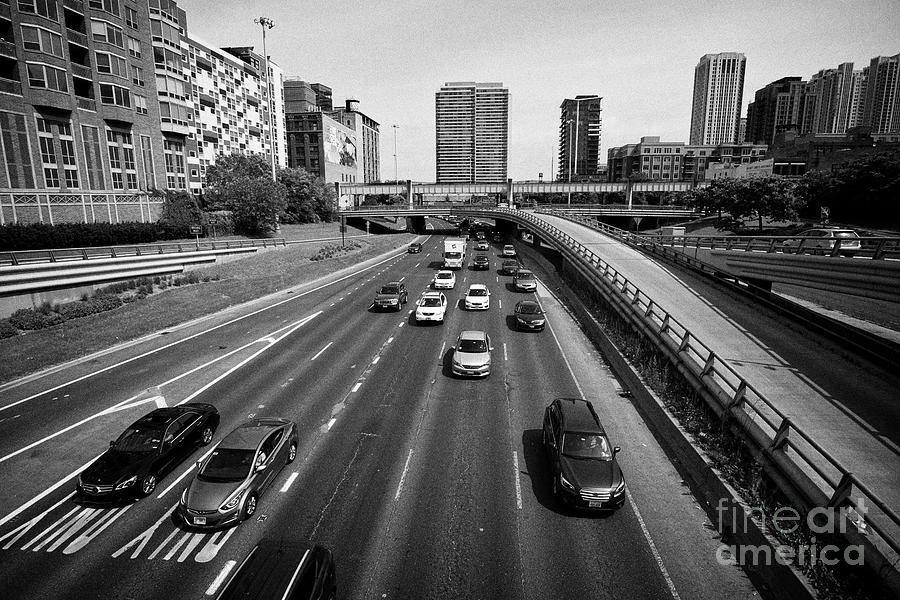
(422,484)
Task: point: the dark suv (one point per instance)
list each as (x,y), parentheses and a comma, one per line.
(391,295)
(585,471)
(290,570)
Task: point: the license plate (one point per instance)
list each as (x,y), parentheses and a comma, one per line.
(594,504)
(199,520)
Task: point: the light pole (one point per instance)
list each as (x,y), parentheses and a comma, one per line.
(396,127)
(267,23)
(569,123)
(578,102)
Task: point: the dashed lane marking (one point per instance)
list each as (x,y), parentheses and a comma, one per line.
(220,578)
(403,475)
(518,485)
(319,353)
(290,481)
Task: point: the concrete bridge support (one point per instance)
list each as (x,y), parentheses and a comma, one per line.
(415,225)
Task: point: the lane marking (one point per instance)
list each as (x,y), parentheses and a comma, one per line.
(444,345)
(319,353)
(290,480)
(186,472)
(376,359)
(403,475)
(49,490)
(14,384)
(331,423)
(220,578)
(518,485)
(390,339)
(500,301)
(401,324)
(417,264)
(356,386)
(505,357)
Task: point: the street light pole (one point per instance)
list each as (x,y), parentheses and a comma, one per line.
(396,176)
(267,23)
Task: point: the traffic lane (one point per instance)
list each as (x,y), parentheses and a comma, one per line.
(243,390)
(681,532)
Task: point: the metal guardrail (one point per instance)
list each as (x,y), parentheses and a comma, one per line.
(749,408)
(25,257)
(870,247)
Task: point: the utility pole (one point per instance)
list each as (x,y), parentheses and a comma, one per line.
(267,23)
(396,176)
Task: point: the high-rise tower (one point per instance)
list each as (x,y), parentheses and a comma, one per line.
(580,125)
(472,132)
(718,88)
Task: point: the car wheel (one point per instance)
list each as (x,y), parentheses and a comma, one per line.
(249,507)
(206,435)
(148,484)
(292,452)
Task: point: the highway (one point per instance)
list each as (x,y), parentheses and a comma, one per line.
(422,484)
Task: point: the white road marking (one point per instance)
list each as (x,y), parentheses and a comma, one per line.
(88,535)
(356,387)
(403,476)
(25,527)
(390,339)
(319,353)
(375,360)
(518,485)
(505,357)
(417,264)
(290,480)
(332,304)
(186,472)
(331,423)
(220,578)
(444,345)
(402,278)
(213,546)
(49,490)
(401,325)
(500,302)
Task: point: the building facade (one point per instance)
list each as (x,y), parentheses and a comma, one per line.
(882,99)
(580,129)
(655,160)
(368,139)
(718,91)
(472,132)
(833,100)
(775,108)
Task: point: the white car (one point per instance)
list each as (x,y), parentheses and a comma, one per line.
(478,297)
(444,280)
(509,250)
(472,354)
(432,306)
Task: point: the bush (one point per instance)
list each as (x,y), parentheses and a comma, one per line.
(30,319)
(40,236)
(75,310)
(105,302)
(7,329)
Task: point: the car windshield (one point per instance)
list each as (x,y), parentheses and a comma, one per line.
(586,445)
(481,259)
(389,289)
(139,439)
(478,292)
(453,254)
(529,309)
(444,275)
(227,465)
(432,302)
(525,275)
(471,346)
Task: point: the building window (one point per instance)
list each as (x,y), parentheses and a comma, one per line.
(140,104)
(110,6)
(45,76)
(149,168)
(131,17)
(174,156)
(134,47)
(115,95)
(112,64)
(102,31)
(121,159)
(137,75)
(38,39)
(44,8)
(56,142)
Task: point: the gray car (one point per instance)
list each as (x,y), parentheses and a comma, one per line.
(229,483)
(472,354)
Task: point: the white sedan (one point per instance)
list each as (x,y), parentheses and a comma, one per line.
(478,297)
(432,306)
(444,280)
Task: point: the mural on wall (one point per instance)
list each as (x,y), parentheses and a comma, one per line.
(340,147)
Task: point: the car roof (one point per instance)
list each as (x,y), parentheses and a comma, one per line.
(272,569)
(508,246)
(161,417)
(477,286)
(396,283)
(578,415)
(528,303)
(432,294)
(472,335)
(249,435)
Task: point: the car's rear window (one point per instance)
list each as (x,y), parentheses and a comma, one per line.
(477,292)
(444,275)
(390,289)
(431,301)
(472,346)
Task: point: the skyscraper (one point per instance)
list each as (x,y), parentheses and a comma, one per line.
(472,129)
(718,89)
(580,126)
(775,108)
(833,100)
(882,101)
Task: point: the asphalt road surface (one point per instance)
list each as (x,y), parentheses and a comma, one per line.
(422,484)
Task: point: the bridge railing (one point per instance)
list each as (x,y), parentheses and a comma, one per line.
(26,257)
(870,247)
(730,395)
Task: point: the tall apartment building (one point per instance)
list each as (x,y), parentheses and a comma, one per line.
(718,90)
(472,132)
(580,128)
(882,98)
(833,100)
(775,108)
(367,136)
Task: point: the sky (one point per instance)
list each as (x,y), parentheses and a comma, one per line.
(393,55)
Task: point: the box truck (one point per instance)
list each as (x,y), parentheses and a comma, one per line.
(454,253)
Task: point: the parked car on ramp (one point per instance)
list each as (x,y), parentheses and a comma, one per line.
(823,241)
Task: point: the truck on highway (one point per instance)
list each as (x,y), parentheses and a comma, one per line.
(454,253)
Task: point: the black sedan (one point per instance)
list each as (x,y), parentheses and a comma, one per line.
(481,262)
(151,447)
(414,248)
(529,316)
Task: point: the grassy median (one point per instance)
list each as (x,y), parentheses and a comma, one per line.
(238,281)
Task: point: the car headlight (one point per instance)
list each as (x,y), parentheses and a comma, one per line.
(231,503)
(127,483)
(621,487)
(565,483)
(538,321)
(184,497)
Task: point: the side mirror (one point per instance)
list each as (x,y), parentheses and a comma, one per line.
(112,443)
(199,464)
(261,468)
(616,450)
(491,348)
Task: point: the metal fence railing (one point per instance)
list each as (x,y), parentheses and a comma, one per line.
(868,247)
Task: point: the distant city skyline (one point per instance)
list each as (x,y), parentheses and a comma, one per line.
(393,57)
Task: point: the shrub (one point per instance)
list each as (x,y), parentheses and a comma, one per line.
(7,329)
(37,236)
(105,302)
(30,319)
(75,310)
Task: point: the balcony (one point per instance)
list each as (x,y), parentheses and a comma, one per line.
(207,100)
(8,48)
(86,104)
(77,37)
(5,11)
(111,112)
(177,128)
(82,71)
(10,86)
(52,99)
(76,5)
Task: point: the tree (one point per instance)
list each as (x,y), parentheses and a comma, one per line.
(308,199)
(179,209)
(255,203)
(229,168)
(754,198)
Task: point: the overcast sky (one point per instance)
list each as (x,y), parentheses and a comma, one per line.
(393,55)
